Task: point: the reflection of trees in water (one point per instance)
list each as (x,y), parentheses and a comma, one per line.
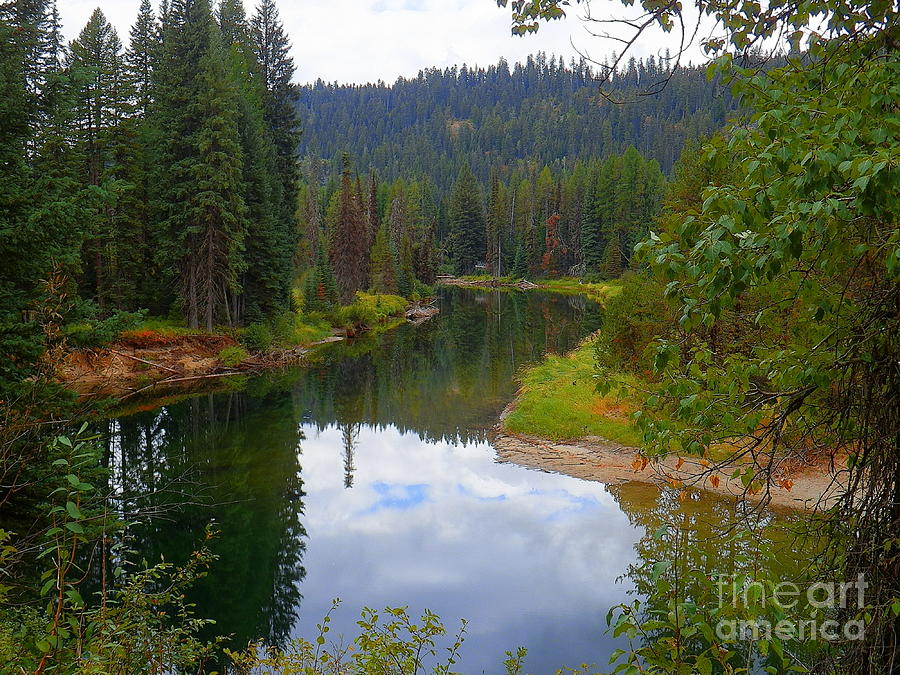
(700,529)
(350,436)
(231,459)
(705,523)
(234,458)
(448,378)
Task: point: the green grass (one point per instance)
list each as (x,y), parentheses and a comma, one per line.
(167,327)
(559,401)
(292,329)
(370,310)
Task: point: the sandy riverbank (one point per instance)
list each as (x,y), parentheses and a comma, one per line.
(812,487)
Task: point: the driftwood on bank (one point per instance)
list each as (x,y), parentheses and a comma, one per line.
(149,363)
(417,313)
(521,284)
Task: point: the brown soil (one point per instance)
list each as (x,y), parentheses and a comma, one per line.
(149,361)
(809,487)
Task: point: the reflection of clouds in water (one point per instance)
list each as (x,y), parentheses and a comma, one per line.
(530,558)
(401,497)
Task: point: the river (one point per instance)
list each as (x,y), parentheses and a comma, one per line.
(368,476)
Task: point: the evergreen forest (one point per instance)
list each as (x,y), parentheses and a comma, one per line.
(620,333)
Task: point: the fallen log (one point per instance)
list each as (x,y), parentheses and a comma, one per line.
(149,363)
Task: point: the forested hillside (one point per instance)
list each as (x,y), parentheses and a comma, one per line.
(543,112)
(525,223)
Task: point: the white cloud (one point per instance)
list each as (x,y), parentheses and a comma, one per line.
(368,40)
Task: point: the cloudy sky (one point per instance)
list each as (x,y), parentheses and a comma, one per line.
(367,40)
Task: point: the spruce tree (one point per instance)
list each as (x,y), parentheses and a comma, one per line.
(276,68)
(495,218)
(373,217)
(382,263)
(320,294)
(269,256)
(348,239)
(217,214)
(43,208)
(142,57)
(200,165)
(99,96)
(466,223)
(406,278)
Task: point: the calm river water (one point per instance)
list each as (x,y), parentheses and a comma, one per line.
(369,477)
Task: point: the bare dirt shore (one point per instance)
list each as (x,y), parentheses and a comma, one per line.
(151,364)
(813,487)
(131,367)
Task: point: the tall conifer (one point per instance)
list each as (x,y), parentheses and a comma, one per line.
(466,222)
(349,238)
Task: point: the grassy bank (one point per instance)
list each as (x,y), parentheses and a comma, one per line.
(144,353)
(558,400)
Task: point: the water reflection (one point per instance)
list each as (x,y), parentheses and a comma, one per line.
(203,461)
(368,477)
(529,558)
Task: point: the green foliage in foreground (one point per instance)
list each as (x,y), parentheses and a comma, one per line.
(559,400)
(390,641)
(139,624)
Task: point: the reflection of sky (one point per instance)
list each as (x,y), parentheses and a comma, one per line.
(529,558)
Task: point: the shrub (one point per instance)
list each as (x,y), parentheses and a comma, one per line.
(257,337)
(632,320)
(94,332)
(423,290)
(232,356)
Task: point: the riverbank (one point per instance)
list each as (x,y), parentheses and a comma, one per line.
(559,423)
(812,487)
(157,361)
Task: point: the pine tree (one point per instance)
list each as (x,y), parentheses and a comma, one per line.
(348,239)
(466,223)
(382,265)
(99,95)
